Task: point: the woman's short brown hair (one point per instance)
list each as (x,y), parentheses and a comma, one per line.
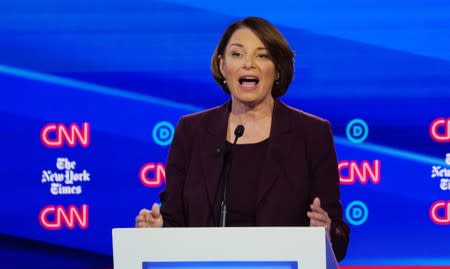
(279,50)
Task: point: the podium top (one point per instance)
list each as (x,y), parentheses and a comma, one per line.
(249,247)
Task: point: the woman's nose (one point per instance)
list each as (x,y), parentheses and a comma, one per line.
(248,62)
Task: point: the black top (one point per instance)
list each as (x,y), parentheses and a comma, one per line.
(245,174)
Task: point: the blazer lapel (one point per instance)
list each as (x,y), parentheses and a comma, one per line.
(212,160)
(278,148)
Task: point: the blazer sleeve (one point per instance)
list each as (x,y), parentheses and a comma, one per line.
(325,184)
(172,205)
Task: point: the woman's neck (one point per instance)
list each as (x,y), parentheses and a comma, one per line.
(256,120)
(244,112)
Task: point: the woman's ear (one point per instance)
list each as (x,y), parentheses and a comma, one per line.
(221,63)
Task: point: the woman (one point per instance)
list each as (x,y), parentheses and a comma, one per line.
(284,169)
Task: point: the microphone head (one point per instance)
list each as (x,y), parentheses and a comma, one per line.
(239,131)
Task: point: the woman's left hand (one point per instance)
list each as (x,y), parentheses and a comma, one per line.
(319,217)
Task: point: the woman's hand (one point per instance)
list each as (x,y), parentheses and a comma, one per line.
(319,217)
(149,218)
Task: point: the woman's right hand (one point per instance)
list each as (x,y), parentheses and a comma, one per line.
(149,218)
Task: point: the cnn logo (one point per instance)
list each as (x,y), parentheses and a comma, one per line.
(440,212)
(440,130)
(152,175)
(57,217)
(350,172)
(56,135)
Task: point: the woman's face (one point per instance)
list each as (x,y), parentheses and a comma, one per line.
(247,68)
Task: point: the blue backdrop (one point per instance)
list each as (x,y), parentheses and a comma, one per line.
(91,91)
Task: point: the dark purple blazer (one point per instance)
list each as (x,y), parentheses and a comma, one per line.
(300,164)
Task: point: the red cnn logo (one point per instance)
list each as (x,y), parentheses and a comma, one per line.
(444,217)
(440,130)
(152,175)
(56,217)
(53,135)
(351,171)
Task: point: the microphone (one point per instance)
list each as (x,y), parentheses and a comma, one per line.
(238,132)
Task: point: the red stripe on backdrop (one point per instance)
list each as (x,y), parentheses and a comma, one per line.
(394,267)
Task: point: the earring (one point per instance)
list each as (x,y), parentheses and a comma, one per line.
(224,81)
(277,82)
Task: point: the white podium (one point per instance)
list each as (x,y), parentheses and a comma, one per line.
(220,248)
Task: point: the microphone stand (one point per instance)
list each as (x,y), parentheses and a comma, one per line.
(238,132)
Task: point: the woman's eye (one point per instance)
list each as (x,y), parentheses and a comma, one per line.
(263,55)
(236,54)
